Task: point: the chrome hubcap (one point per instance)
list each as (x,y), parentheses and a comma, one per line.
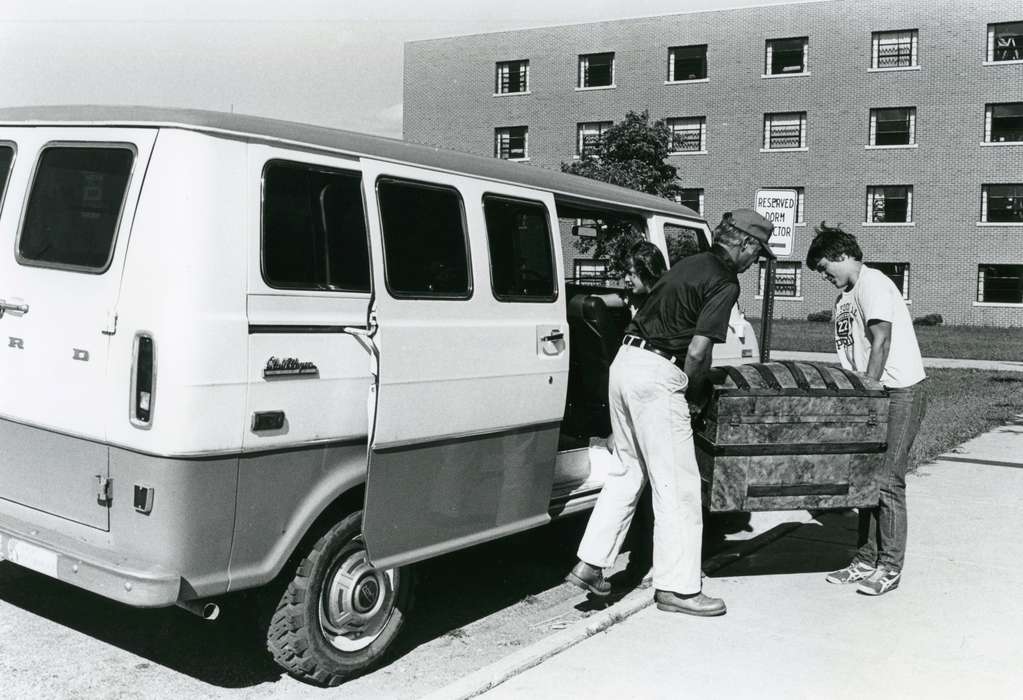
(357,601)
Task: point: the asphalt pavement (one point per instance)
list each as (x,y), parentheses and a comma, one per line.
(951,630)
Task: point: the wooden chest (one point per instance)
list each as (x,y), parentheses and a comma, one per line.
(791,436)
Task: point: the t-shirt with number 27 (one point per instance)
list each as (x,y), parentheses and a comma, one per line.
(875,297)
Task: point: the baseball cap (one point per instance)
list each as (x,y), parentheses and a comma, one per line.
(754,225)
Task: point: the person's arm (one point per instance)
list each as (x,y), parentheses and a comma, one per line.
(697,367)
(880,334)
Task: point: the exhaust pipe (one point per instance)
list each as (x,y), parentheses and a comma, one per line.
(200,608)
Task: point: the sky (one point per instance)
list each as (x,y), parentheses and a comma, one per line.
(331,62)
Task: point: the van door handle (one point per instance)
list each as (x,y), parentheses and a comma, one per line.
(554,335)
(19,308)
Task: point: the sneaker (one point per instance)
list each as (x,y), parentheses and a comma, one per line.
(881,581)
(857,571)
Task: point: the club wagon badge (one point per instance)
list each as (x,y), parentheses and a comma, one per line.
(280,367)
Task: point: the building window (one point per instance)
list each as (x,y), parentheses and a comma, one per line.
(687,63)
(688,134)
(512,76)
(1000,284)
(786,56)
(893,127)
(590,272)
(787,279)
(692,197)
(784,130)
(511,143)
(588,137)
(890,204)
(1002,203)
(596,70)
(1005,42)
(894,49)
(898,273)
(1003,122)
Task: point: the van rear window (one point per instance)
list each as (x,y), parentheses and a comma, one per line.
(314,229)
(425,249)
(74,206)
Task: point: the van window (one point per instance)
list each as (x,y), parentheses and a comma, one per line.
(314,229)
(74,206)
(521,260)
(682,241)
(6,157)
(425,248)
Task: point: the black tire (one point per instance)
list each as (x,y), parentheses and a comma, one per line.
(337,617)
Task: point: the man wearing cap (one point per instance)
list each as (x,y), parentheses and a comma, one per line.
(668,343)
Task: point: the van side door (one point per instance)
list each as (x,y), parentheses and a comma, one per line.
(473,363)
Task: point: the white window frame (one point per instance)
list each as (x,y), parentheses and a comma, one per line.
(984,197)
(699,195)
(584,129)
(584,64)
(989,110)
(872,136)
(1017,46)
(779,119)
(780,265)
(671,64)
(769,55)
(503,133)
(691,126)
(504,68)
(898,36)
(875,193)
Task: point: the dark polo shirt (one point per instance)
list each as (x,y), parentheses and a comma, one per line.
(694,297)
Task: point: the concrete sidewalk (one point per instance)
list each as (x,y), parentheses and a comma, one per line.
(952,629)
(948,362)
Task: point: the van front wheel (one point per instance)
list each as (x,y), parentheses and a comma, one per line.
(338,616)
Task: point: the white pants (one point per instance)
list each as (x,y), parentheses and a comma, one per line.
(653,440)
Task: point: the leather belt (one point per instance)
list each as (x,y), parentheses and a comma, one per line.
(637,342)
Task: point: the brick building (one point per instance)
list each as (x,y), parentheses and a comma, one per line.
(900,119)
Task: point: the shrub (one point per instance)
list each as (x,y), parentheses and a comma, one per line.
(820,316)
(929,320)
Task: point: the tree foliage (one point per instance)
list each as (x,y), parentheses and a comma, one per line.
(631,153)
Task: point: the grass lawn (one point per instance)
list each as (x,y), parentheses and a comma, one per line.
(963,403)
(960,342)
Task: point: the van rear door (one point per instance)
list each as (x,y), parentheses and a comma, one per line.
(473,363)
(64,232)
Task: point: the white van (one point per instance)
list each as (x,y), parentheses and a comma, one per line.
(239,352)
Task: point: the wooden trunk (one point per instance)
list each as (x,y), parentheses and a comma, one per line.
(791,436)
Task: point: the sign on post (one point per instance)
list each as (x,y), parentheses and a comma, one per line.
(779,207)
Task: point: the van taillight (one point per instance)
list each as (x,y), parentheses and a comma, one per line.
(143,380)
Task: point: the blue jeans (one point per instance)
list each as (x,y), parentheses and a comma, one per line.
(882,532)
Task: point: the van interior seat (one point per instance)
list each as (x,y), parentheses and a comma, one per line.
(596,326)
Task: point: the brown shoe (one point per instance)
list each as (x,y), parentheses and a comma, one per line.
(589,578)
(699,604)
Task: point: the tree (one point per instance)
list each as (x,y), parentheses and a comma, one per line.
(631,153)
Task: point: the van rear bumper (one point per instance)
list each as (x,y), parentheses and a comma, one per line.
(124,579)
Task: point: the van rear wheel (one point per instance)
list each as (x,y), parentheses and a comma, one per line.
(338,616)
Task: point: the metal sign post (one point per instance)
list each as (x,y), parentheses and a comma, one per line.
(778,207)
(767,312)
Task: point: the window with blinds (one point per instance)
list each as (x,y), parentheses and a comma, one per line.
(688,134)
(1002,203)
(894,49)
(588,137)
(511,143)
(890,204)
(511,77)
(787,279)
(893,127)
(687,63)
(786,56)
(1003,123)
(784,130)
(1005,42)
(596,70)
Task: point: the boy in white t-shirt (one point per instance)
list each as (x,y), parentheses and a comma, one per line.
(874,336)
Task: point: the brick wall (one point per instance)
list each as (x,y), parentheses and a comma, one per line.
(449,101)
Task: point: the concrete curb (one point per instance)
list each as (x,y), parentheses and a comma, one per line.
(489,677)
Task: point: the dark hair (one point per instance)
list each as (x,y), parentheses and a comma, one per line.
(832,242)
(647,261)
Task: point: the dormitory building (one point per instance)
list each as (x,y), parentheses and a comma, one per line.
(902,120)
